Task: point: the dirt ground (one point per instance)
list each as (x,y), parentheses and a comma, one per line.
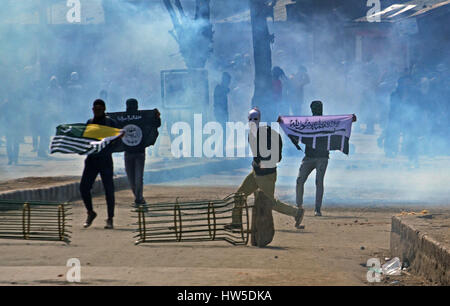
(331,250)
(36,182)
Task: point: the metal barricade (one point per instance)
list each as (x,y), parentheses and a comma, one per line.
(34,220)
(194,221)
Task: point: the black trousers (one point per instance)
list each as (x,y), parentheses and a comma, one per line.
(92,167)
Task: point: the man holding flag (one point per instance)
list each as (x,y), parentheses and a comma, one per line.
(98,139)
(320,134)
(96,163)
(141,132)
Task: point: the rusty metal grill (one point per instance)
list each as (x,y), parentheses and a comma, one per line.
(193,221)
(34,221)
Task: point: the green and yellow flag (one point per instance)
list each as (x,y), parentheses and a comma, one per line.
(83,139)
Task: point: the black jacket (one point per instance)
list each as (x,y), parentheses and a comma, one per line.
(258,158)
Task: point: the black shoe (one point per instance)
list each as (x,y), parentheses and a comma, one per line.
(317,213)
(91,216)
(299,218)
(109,224)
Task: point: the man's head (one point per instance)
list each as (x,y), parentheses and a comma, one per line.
(53,82)
(226,79)
(278,73)
(99,108)
(302,69)
(254,117)
(317,108)
(74,76)
(132,105)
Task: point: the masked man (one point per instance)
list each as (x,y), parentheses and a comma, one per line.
(266,146)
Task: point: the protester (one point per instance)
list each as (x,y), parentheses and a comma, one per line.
(277,104)
(55,97)
(264,173)
(221,99)
(314,159)
(297,89)
(393,131)
(51,100)
(135,158)
(14,129)
(73,94)
(102,163)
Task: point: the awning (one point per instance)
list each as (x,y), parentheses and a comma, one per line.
(399,12)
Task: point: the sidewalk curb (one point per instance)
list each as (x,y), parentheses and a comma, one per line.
(426,256)
(71,191)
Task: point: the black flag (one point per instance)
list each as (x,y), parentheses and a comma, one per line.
(141,129)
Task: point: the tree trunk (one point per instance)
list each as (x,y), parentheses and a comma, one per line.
(259,11)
